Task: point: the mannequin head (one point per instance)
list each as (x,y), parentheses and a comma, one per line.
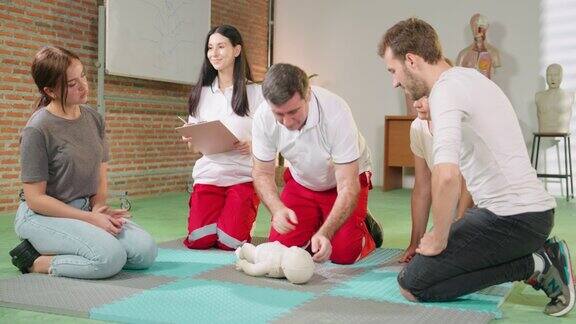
(479,25)
(297,265)
(554,76)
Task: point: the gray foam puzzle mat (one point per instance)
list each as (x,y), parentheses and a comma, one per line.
(346,310)
(59,295)
(203,286)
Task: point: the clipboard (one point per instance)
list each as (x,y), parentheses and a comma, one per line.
(209,137)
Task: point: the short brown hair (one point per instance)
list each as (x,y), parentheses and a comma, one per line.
(282,81)
(414,36)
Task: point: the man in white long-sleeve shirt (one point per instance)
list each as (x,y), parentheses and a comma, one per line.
(475,130)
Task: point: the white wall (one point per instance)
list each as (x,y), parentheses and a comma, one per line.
(558,45)
(337,39)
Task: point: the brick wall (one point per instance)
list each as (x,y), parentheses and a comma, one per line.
(147,157)
(251,18)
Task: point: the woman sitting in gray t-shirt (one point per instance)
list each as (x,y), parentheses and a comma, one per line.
(66,226)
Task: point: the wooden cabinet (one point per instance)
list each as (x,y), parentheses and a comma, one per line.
(397,153)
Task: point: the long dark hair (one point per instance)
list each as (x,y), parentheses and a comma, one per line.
(49,71)
(208,73)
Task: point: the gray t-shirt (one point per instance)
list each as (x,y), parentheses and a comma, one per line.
(67,154)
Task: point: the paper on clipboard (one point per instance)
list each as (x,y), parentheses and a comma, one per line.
(209,137)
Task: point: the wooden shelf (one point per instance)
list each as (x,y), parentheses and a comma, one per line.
(397,153)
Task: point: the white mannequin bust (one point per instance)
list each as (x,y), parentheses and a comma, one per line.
(554,106)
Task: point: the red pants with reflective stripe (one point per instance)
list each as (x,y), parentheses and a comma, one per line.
(350,243)
(221,216)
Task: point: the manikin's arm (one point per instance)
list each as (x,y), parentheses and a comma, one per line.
(458,61)
(461,56)
(254,269)
(494,55)
(539,107)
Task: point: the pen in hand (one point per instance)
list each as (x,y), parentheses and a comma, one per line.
(185,139)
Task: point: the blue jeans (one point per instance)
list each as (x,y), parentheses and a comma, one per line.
(82,250)
(484,249)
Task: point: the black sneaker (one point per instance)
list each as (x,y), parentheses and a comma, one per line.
(374,229)
(557,279)
(23,256)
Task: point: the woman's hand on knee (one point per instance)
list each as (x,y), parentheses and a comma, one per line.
(116,213)
(106,222)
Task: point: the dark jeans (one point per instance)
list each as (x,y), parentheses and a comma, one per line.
(484,249)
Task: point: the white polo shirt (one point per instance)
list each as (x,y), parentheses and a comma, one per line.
(329,137)
(475,126)
(421,141)
(229,168)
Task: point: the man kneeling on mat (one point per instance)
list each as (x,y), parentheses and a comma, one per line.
(475,130)
(324,202)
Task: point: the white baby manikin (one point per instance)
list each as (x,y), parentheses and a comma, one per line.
(275,260)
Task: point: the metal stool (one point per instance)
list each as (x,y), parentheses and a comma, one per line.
(567,160)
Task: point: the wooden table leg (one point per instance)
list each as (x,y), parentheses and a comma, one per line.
(392,178)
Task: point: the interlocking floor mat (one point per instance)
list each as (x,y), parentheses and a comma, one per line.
(203,286)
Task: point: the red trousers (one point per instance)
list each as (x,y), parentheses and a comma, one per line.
(221,216)
(350,243)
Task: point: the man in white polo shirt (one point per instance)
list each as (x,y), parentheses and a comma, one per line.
(324,202)
(476,132)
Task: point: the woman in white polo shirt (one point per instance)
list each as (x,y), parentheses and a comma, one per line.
(223,204)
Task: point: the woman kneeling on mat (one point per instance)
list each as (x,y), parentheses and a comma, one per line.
(66,226)
(224,204)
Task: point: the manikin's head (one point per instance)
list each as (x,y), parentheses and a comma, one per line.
(554,75)
(479,25)
(297,265)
